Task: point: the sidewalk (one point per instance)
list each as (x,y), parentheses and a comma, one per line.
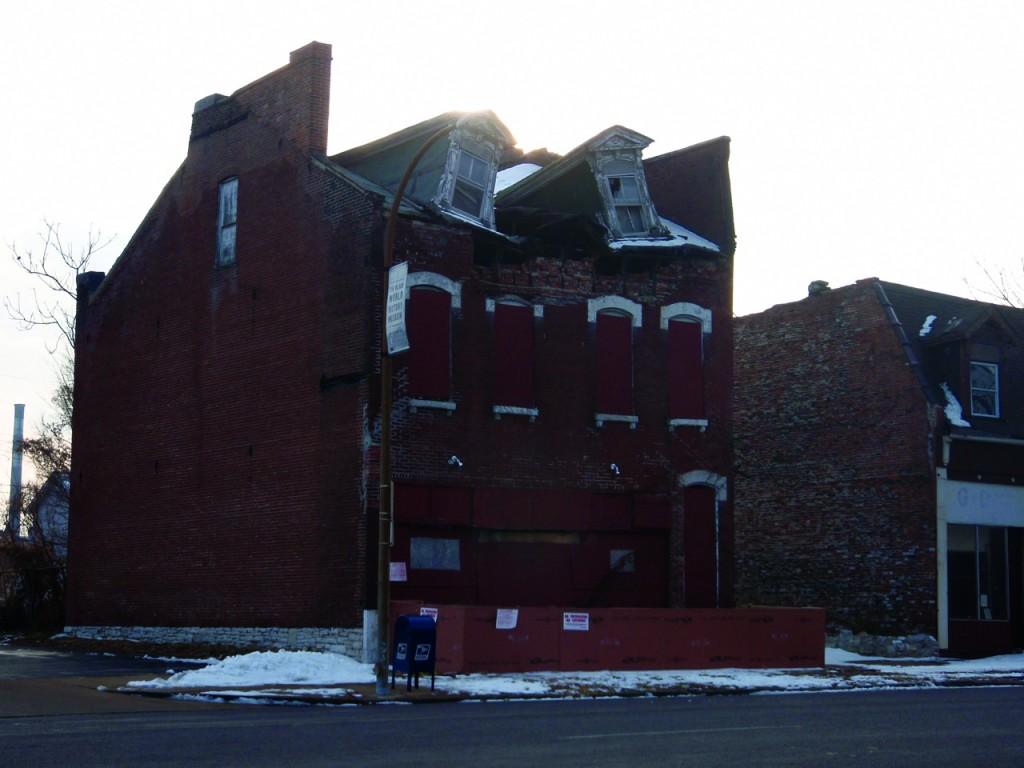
(285,677)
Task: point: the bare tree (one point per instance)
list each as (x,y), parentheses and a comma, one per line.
(1002,285)
(55,266)
(32,569)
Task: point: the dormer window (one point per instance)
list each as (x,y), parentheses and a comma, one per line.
(471,180)
(466,186)
(619,173)
(625,194)
(984,389)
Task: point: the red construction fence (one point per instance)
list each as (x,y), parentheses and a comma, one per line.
(555,638)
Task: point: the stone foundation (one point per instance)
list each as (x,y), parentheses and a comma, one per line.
(333,639)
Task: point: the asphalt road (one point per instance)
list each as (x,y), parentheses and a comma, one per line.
(946,727)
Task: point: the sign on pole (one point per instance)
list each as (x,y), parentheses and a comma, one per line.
(398,339)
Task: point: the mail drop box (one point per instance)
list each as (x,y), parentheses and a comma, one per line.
(414,648)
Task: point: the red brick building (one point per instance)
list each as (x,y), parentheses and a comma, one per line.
(563,421)
(879,462)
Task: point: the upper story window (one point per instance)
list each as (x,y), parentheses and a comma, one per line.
(471,180)
(227,216)
(475,146)
(984,389)
(432,298)
(625,195)
(614,318)
(687,325)
(513,355)
(615,159)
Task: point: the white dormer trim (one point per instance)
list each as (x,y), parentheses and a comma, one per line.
(710,479)
(481,137)
(616,154)
(434,280)
(620,303)
(489,304)
(686,309)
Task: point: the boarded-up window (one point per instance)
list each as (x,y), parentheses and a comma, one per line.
(513,355)
(685,369)
(700,547)
(434,554)
(429,325)
(614,362)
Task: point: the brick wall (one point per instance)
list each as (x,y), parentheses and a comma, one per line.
(834,482)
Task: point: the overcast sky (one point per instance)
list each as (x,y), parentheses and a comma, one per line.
(868,139)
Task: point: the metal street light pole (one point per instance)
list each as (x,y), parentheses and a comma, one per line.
(386,503)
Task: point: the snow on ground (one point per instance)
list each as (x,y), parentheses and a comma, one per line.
(304,673)
(269,668)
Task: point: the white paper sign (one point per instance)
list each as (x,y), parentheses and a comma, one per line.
(398,572)
(431,612)
(576,622)
(507,618)
(398,339)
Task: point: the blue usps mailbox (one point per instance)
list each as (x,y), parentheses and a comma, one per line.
(413,649)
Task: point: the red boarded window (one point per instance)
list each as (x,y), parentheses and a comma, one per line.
(685,369)
(429,325)
(513,355)
(614,362)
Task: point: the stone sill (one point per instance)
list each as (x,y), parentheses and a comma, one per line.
(702,423)
(515,410)
(441,405)
(601,418)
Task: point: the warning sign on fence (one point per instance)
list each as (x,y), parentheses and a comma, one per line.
(576,622)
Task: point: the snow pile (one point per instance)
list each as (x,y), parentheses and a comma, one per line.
(954,411)
(286,675)
(269,668)
(927,327)
(507,177)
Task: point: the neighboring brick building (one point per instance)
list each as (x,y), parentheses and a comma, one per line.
(562,429)
(858,486)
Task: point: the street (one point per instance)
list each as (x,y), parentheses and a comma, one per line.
(84,727)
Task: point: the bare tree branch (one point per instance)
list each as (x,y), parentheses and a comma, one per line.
(1002,285)
(56,266)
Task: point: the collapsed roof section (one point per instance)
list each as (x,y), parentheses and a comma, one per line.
(595,198)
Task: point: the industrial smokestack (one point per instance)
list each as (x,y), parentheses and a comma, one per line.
(14,504)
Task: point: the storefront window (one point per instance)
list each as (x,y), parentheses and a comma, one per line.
(977,572)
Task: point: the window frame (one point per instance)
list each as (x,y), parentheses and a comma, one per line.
(492,305)
(994,367)
(616,306)
(683,311)
(436,282)
(227,231)
(483,142)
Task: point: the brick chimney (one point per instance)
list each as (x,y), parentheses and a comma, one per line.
(295,99)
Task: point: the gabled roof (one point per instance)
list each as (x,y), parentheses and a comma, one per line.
(930,320)
(419,130)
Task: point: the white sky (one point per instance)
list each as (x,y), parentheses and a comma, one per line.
(869,138)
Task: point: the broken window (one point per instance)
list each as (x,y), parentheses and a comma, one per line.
(226,220)
(984,389)
(626,199)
